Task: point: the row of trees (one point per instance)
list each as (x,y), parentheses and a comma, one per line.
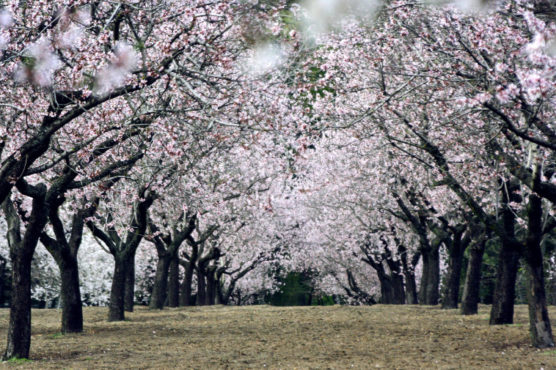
(444,139)
(133,121)
(370,149)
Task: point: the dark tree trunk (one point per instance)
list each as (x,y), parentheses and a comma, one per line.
(398,289)
(19,328)
(410,288)
(21,254)
(116,306)
(129,293)
(211,287)
(409,275)
(430,281)
(160,283)
(455,264)
(185,296)
(386,290)
(391,288)
(471,288)
(2,280)
(539,323)
(72,308)
(201,289)
(396,278)
(174,283)
(502,311)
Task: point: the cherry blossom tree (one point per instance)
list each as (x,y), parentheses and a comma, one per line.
(432,75)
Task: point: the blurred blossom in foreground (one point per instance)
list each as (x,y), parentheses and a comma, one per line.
(5,19)
(264,58)
(39,64)
(321,15)
(472,5)
(5,22)
(113,75)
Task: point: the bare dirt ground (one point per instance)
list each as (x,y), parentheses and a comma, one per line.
(334,337)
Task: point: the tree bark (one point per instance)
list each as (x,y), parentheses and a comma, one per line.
(158,296)
(201,289)
(19,327)
(471,288)
(116,306)
(455,264)
(398,288)
(409,275)
(2,280)
(129,292)
(430,281)
(502,311)
(386,290)
(21,254)
(186,287)
(72,308)
(410,288)
(174,283)
(539,322)
(211,286)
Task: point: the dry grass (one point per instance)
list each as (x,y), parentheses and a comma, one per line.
(336,337)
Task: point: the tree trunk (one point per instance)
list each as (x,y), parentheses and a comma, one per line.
(211,287)
(21,254)
(410,288)
(2,280)
(455,263)
(72,308)
(174,283)
(539,323)
(129,293)
(19,329)
(158,296)
(398,289)
(502,311)
(386,290)
(409,275)
(430,281)
(471,288)
(201,289)
(185,296)
(117,291)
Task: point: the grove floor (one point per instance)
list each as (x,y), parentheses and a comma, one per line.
(333,337)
